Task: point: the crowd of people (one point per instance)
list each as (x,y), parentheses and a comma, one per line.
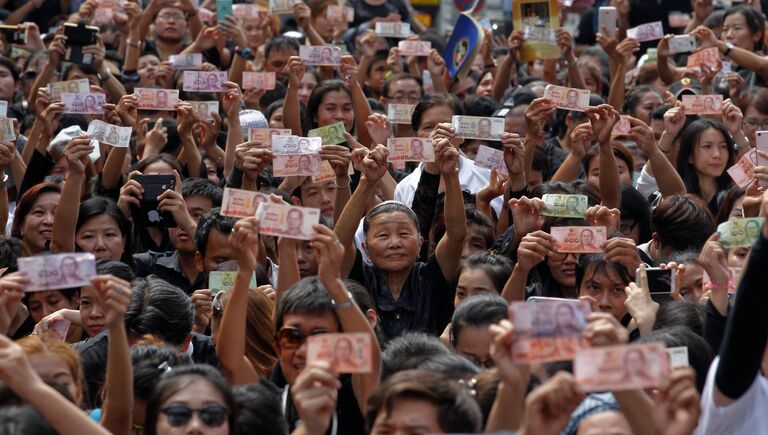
(419,261)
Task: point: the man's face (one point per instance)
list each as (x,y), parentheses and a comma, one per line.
(319,195)
(218,250)
(196,206)
(170,25)
(293,360)
(403,91)
(410,416)
(306,258)
(276,62)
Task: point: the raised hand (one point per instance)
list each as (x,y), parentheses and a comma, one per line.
(375,164)
(130,194)
(446,157)
(348,69)
(295,70)
(186,118)
(315,393)
(533,249)
(394,61)
(581,140)
(11,291)
(251,159)
(245,240)
(603,118)
(76,153)
(600,215)
(639,303)
(604,330)
(114,296)
(514,43)
(526,214)
(435,63)
(548,408)
(732,118)
(494,188)
(514,155)
(677,406)
(330,254)
(233,99)
(511,373)
(536,115)
(565,42)
(338,156)
(379,128)
(202,301)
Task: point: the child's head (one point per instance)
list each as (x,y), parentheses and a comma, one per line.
(604,282)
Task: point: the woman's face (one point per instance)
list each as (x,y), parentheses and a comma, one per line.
(392,242)
(308,84)
(590,81)
(38,223)
(710,155)
(42,304)
(649,101)
(737,211)
(101,236)
(147,69)
(253,32)
(563,269)
(433,116)
(7,84)
(607,288)
(336,106)
(473,281)
(485,86)
(474,342)
(276,119)
(736,31)
(52,366)
(91,311)
(737,257)
(324,26)
(754,121)
(196,395)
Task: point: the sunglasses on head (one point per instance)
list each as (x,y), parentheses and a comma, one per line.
(211,416)
(292,338)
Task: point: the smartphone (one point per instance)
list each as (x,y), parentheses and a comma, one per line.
(661,283)
(762,145)
(682,44)
(608,18)
(147,214)
(78,36)
(13,34)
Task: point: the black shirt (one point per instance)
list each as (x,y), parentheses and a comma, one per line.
(425,303)
(166,265)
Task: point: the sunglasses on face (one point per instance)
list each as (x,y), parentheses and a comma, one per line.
(211,416)
(292,338)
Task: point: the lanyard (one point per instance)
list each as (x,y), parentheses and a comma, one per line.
(334,418)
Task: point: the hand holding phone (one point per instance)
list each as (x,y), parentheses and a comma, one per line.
(79,36)
(147,214)
(608,19)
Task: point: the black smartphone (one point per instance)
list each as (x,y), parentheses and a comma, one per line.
(147,214)
(661,283)
(78,36)
(13,34)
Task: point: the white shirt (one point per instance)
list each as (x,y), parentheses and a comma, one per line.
(646,184)
(471,178)
(745,416)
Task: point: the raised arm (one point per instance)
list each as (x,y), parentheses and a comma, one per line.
(56,50)
(621,57)
(65,217)
(233,101)
(114,296)
(448,250)
(507,67)
(536,115)
(667,178)
(186,118)
(329,262)
(291,111)
(230,343)
(533,249)
(603,118)
(667,70)
(565,41)
(581,141)
(348,72)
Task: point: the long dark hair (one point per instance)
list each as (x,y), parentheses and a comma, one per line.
(688,140)
(101,205)
(755,22)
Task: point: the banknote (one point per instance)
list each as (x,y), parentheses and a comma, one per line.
(548,330)
(390,29)
(60,327)
(245,10)
(223,10)
(330,134)
(284,220)
(157,99)
(57,271)
(295,144)
(414,48)
(81,86)
(742,232)
(578,239)
(624,367)
(241,203)
(567,98)
(221,281)
(563,205)
(320,55)
(622,127)
(259,80)
(410,149)
(87,103)
(478,127)
(702,104)
(205,81)
(205,108)
(742,171)
(278,7)
(3,109)
(293,165)
(647,32)
(707,56)
(7,131)
(491,158)
(326,173)
(263,136)
(187,61)
(682,44)
(110,134)
(678,357)
(400,113)
(338,14)
(346,352)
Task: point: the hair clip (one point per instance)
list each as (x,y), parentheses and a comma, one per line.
(493,252)
(164,367)
(469,385)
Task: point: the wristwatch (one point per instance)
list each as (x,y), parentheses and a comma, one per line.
(728,47)
(245,53)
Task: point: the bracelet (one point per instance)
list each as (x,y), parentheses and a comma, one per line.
(349,181)
(713,286)
(346,304)
(133,44)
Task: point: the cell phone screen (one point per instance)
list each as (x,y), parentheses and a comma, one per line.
(660,280)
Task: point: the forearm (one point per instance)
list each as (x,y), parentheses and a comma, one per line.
(230,347)
(117,414)
(610,186)
(637,407)
(508,409)
(568,170)
(456,226)
(667,72)
(291,111)
(20,14)
(529,146)
(236,69)
(113,168)
(748,60)
(32,141)
(343,193)
(618,87)
(65,217)
(59,412)
(387,185)
(503,77)
(4,207)
(234,138)
(114,88)
(362,112)
(132,51)
(288,262)
(191,155)
(575,79)
(365,61)
(346,227)
(195,25)
(42,80)
(666,175)
(549,73)
(514,289)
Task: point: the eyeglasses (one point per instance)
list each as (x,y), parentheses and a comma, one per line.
(211,416)
(752,123)
(289,338)
(168,16)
